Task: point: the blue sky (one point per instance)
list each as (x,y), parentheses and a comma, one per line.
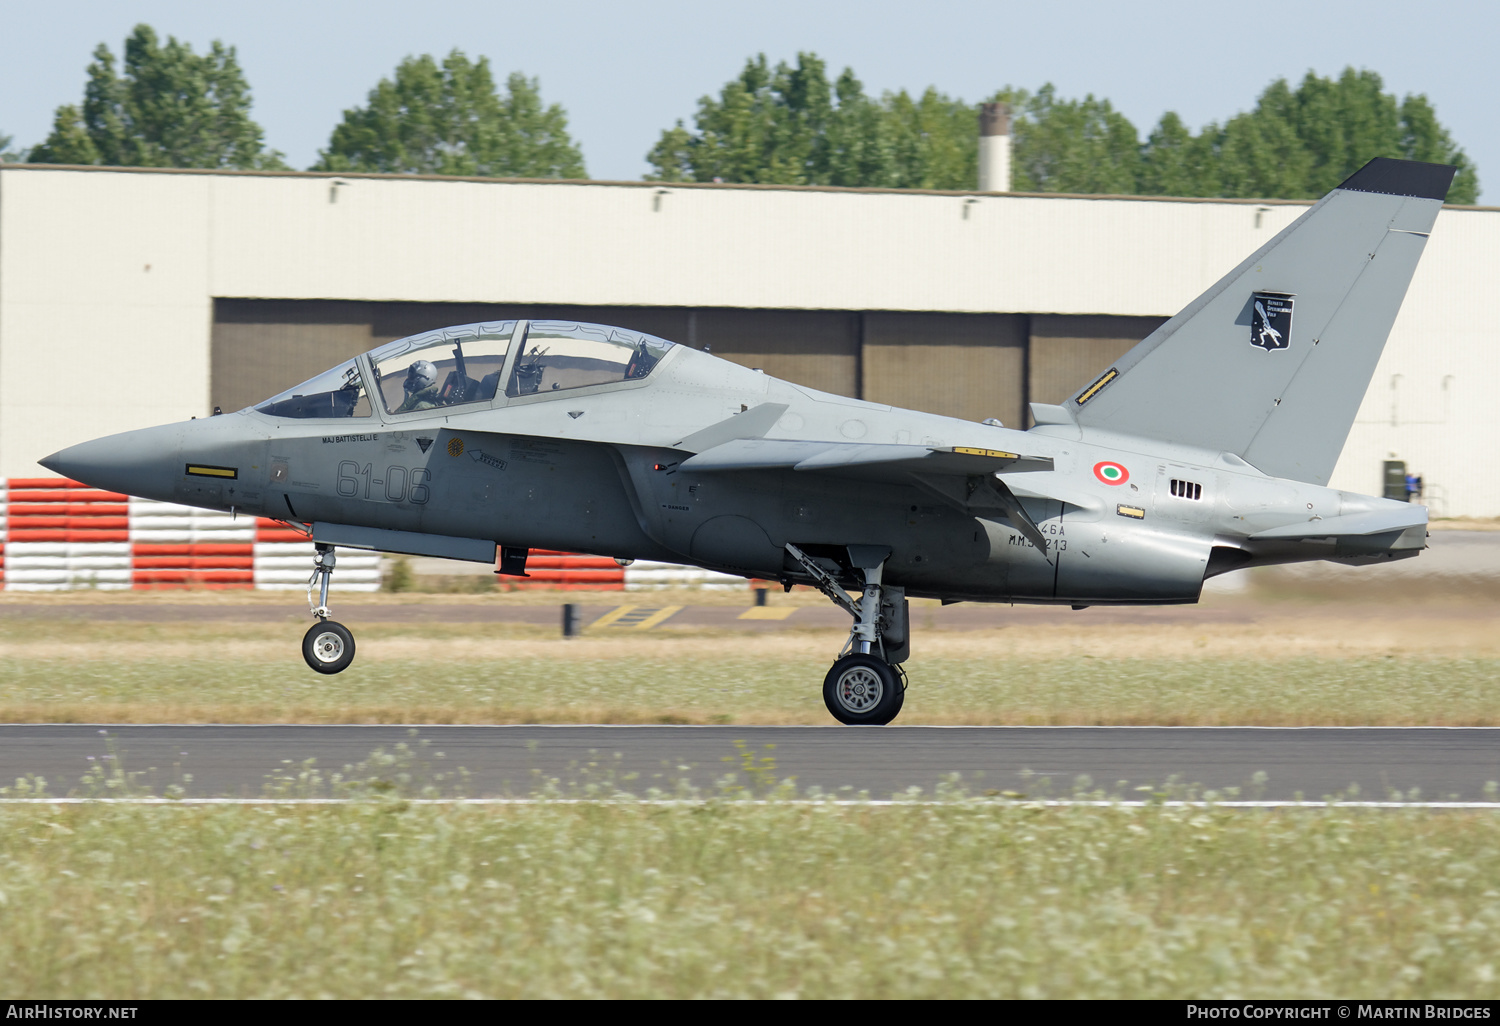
(625,71)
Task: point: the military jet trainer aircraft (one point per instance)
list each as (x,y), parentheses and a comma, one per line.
(1205,449)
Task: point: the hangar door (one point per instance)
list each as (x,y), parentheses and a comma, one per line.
(960,365)
(1069,351)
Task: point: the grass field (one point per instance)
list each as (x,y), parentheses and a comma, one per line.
(723,897)
(1290,664)
(727,899)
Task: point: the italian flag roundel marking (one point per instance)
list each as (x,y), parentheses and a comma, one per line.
(1111,473)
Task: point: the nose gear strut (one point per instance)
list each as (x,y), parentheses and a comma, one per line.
(866,684)
(328,646)
(324,560)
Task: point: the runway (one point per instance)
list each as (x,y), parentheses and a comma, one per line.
(1315,762)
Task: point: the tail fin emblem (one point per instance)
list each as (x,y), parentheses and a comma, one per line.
(1271,323)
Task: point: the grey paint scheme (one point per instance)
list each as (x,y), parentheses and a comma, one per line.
(750,463)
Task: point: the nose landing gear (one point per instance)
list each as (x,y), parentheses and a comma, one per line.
(328,646)
(865,685)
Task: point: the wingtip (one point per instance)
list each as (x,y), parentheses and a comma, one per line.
(1392,177)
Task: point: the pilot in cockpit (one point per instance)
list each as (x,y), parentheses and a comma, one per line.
(421,387)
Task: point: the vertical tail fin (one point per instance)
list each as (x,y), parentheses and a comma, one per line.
(1271,364)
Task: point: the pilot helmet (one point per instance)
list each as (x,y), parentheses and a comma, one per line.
(421,374)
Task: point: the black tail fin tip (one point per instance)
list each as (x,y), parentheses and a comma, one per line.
(1394,177)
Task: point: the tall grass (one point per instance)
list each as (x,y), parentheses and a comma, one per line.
(724,898)
(669,685)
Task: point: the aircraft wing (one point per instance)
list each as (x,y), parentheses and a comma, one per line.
(871,461)
(963,476)
(1380,521)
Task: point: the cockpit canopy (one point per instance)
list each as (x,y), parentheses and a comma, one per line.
(450,367)
(338,392)
(562,354)
(464,365)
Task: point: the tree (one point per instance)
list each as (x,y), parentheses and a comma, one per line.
(935,141)
(169,108)
(767,126)
(8,155)
(1299,143)
(789,126)
(451,120)
(1072,146)
(1174,162)
(861,147)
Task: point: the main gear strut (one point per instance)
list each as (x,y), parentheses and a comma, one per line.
(866,684)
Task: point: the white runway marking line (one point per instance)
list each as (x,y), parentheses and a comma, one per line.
(1054,803)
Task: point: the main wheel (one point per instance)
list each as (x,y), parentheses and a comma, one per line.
(863,690)
(328,647)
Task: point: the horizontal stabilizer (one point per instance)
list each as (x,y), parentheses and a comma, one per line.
(883,462)
(1380,521)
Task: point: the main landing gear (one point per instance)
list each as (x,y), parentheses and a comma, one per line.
(866,685)
(328,646)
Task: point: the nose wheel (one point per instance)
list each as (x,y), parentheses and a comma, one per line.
(328,646)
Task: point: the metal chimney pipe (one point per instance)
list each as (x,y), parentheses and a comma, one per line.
(994,147)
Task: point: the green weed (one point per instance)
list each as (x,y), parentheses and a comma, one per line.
(729,898)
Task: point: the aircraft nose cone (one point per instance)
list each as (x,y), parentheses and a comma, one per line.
(144,463)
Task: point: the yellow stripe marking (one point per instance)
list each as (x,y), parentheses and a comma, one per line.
(659,616)
(635,618)
(986,452)
(1093,389)
(609,618)
(212,471)
(768,612)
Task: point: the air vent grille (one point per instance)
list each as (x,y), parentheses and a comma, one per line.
(1187,489)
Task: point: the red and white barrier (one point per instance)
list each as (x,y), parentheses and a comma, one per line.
(60,534)
(283,561)
(57,534)
(179,546)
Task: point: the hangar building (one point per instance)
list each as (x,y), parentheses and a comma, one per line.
(131,297)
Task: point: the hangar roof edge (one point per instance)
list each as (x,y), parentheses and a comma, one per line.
(641,184)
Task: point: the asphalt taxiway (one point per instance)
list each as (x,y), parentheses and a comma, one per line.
(1429,763)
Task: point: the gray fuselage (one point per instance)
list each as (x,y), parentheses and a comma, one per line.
(599,469)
